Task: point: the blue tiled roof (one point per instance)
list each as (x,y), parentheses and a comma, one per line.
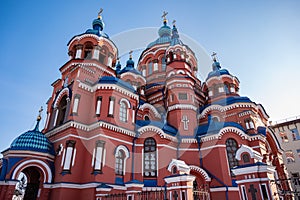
(33,140)
(117,81)
(214,127)
(154,84)
(228,101)
(218,73)
(160,40)
(167,128)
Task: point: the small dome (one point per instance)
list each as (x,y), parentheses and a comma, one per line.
(130,63)
(98,24)
(165,31)
(33,140)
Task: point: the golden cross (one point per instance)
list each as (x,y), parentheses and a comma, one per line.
(130,53)
(99,13)
(164,15)
(40,112)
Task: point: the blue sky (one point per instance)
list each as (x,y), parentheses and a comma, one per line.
(258,41)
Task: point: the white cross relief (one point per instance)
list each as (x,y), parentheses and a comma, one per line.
(185,122)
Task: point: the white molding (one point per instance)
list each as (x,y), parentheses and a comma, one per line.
(201,171)
(253,169)
(222,189)
(10,182)
(28,154)
(35,163)
(156,130)
(180,178)
(253,154)
(251,180)
(61,93)
(135,76)
(152,108)
(108,86)
(182,106)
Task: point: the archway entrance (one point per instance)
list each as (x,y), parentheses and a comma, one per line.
(33,176)
(200,189)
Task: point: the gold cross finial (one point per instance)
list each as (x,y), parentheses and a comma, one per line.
(130,54)
(99,13)
(164,16)
(40,112)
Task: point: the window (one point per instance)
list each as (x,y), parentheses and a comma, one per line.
(150,158)
(289,156)
(150,69)
(123,112)
(155,66)
(226,88)
(264,192)
(98,156)
(76,103)
(88,51)
(296,135)
(295,178)
(61,111)
(246,158)
(111,106)
(120,157)
(69,156)
(231,148)
(249,124)
(101,58)
(182,96)
(146,118)
(98,106)
(284,137)
(163,63)
(244,194)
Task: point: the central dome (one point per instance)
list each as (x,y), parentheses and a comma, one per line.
(165,31)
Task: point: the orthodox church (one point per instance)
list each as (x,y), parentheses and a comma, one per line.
(150,130)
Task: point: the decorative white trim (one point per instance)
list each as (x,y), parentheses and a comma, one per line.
(156,130)
(181,166)
(11,182)
(126,151)
(23,153)
(152,108)
(253,169)
(252,180)
(35,163)
(91,127)
(126,101)
(201,171)
(135,76)
(180,178)
(182,106)
(114,87)
(253,154)
(222,189)
(61,93)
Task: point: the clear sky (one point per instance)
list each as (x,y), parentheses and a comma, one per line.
(257,41)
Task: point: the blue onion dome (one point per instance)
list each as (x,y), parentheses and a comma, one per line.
(165,30)
(33,140)
(216,67)
(118,66)
(98,26)
(130,66)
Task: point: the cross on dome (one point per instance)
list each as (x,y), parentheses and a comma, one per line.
(99,13)
(40,112)
(164,15)
(174,22)
(214,56)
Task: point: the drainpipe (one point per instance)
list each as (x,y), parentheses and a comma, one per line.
(209,173)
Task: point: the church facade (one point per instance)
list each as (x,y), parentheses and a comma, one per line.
(150,131)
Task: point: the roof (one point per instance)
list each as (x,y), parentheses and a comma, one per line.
(214,127)
(219,72)
(167,128)
(117,81)
(33,140)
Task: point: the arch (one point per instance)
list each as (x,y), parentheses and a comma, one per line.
(170,74)
(246,149)
(200,171)
(121,155)
(150,158)
(231,149)
(65,91)
(124,148)
(34,163)
(126,101)
(180,72)
(152,108)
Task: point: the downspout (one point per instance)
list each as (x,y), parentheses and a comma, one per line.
(209,173)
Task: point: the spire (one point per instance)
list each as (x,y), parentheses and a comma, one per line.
(118,66)
(39,117)
(98,23)
(216,65)
(175,36)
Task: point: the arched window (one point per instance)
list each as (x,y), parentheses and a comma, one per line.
(231,148)
(146,118)
(88,51)
(150,68)
(61,109)
(120,157)
(150,158)
(123,112)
